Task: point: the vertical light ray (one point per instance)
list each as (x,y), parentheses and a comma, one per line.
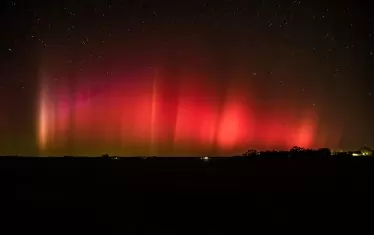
(43,123)
(229,127)
(305,132)
(208,123)
(154,107)
(236,121)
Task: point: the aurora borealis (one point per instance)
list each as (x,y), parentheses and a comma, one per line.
(184,79)
(188,117)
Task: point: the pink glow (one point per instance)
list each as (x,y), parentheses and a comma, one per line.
(235,124)
(187,117)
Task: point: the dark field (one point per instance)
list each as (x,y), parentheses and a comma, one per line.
(185,195)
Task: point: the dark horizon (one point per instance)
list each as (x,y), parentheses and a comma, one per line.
(295,151)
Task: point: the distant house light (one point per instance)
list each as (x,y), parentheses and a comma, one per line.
(366,151)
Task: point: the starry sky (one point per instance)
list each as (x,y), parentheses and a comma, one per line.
(184,77)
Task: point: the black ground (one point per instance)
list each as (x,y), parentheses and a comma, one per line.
(185,195)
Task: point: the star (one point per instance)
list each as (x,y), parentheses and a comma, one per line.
(84,41)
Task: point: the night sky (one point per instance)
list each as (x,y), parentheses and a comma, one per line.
(184,78)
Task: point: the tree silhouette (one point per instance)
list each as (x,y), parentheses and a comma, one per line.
(297,149)
(105,155)
(324,151)
(250,152)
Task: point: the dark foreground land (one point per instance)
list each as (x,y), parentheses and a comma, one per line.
(186,195)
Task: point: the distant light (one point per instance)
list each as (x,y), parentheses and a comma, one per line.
(366,153)
(205,158)
(356,154)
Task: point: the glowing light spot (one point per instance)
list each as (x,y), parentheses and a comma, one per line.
(229,129)
(305,132)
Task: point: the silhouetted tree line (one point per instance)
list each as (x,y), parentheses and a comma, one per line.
(297,151)
(294,151)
